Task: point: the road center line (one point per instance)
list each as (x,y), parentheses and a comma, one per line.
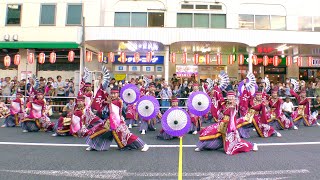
(153,146)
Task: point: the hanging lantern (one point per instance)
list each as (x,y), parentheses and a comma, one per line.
(149,56)
(184,58)
(241,59)
(207,57)
(265,60)
(230,59)
(17,59)
(196,59)
(31,58)
(276,60)
(53,57)
(41,58)
(111,57)
(310,61)
(255,60)
(173,57)
(71,56)
(288,60)
(88,56)
(7,61)
(299,61)
(219,59)
(100,57)
(123,57)
(136,57)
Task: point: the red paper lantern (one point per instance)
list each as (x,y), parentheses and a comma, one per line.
(88,56)
(53,57)
(255,60)
(111,57)
(41,58)
(184,58)
(17,59)
(219,59)
(207,57)
(71,56)
(276,60)
(7,61)
(149,56)
(136,57)
(196,59)
(31,58)
(265,61)
(230,59)
(100,57)
(299,61)
(123,57)
(173,57)
(310,61)
(241,59)
(288,60)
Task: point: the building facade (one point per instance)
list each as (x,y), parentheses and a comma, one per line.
(201,36)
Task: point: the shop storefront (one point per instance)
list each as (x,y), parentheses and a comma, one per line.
(310,73)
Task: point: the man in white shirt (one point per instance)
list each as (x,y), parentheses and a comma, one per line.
(287,107)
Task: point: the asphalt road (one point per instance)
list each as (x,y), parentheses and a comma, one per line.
(272,161)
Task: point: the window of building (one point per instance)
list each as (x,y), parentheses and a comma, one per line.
(155,19)
(184,20)
(262,22)
(201,20)
(13,14)
(139,19)
(278,22)
(316,23)
(186,6)
(218,21)
(74,15)
(200,6)
(246,21)
(216,7)
(122,19)
(305,23)
(48,14)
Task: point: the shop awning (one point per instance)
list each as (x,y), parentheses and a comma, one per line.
(39,45)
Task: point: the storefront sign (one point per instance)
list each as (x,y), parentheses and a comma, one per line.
(316,62)
(186,71)
(120,77)
(26,74)
(143,60)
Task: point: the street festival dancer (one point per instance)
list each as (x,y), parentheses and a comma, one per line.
(224,134)
(163,135)
(16,112)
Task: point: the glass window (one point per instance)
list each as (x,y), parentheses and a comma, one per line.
(187,6)
(278,22)
(139,19)
(246,21)
(155,19)
(262,22)
(305,23)
(216,7)
(122,19)
(184,20)
(48,14)
(218,21)
(13,14)
(201,20)
(74,15)
(316,23)
(201,6)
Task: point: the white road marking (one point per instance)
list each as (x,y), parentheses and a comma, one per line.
(120,174)
(153,146)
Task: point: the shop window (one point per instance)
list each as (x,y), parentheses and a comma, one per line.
(305,23)
(74,14)
(316,23)
(278,22)
(155,19)
(48,14)
(184,20)
(218,21)
(246,21)
(201,20)
(139,19)
(262,22)
(13,14)
(122,19)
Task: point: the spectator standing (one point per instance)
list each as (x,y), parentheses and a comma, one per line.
(6,88)
(165,96)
